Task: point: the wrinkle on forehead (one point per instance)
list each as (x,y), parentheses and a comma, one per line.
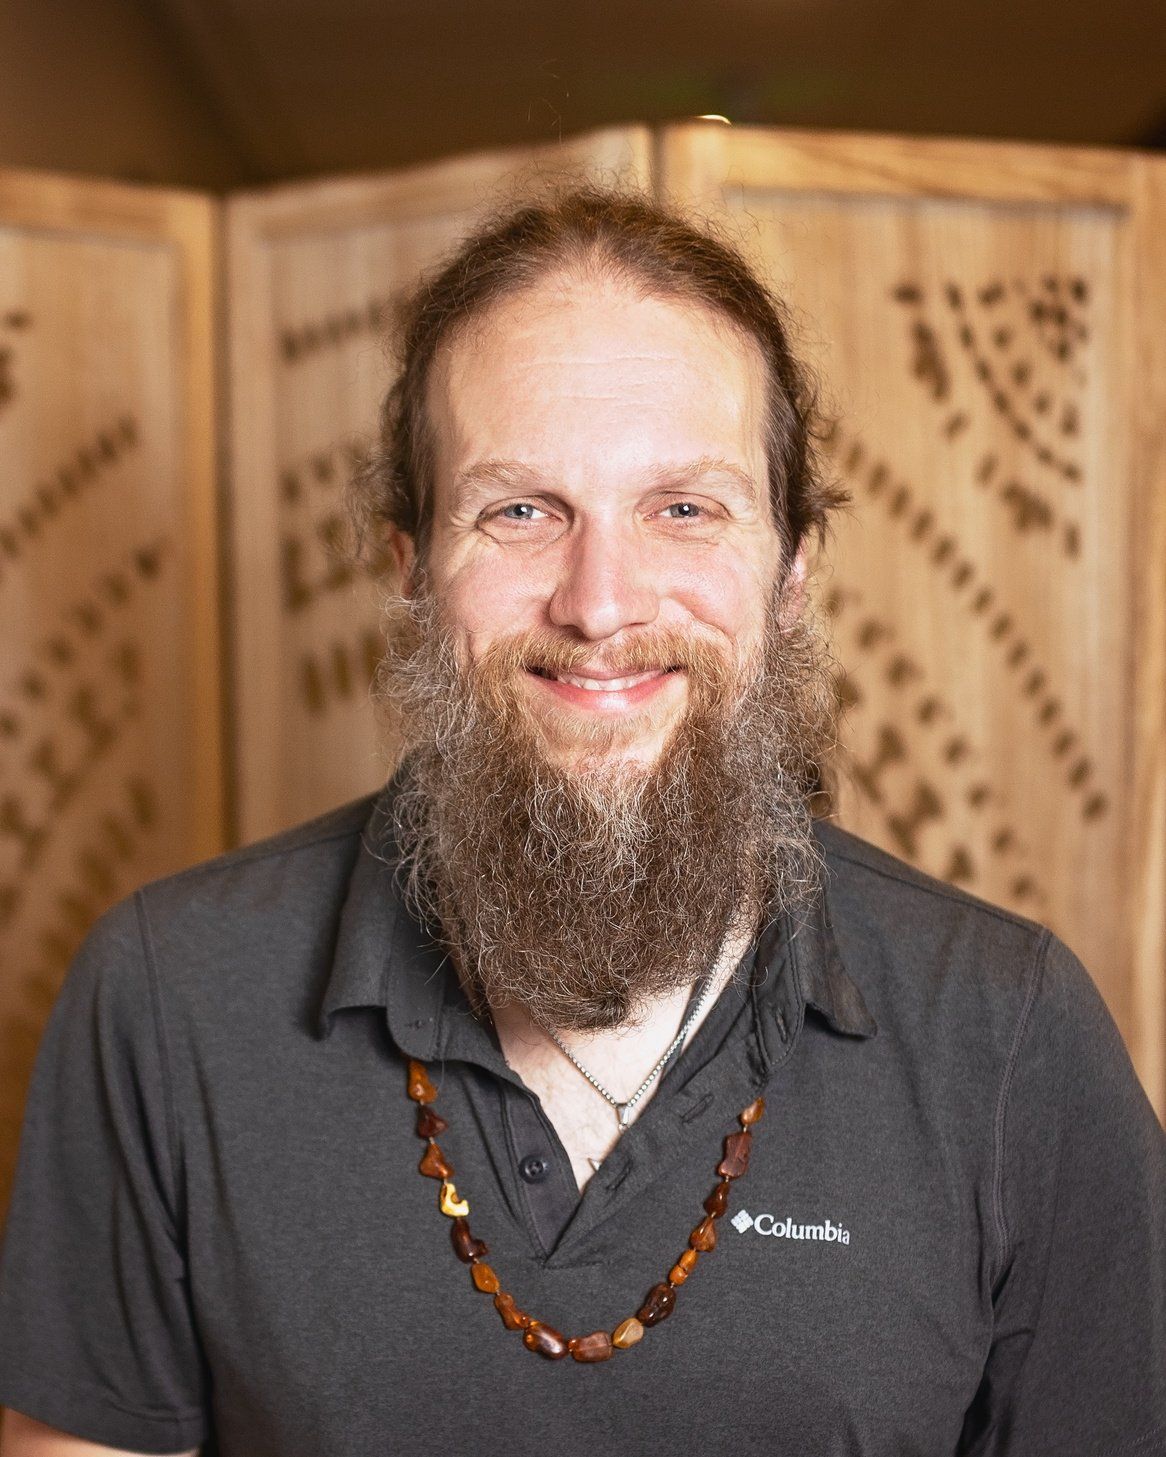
(518,344)
(576,361)
(580,287)
(599,370)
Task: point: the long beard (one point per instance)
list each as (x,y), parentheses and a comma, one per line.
(581,891)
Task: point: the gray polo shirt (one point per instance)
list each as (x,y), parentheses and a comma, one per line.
(950,1239)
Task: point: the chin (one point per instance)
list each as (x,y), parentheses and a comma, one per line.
(572,736)
(620,751)
(614,764)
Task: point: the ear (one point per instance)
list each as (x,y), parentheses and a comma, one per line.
(400,543)
(793,594)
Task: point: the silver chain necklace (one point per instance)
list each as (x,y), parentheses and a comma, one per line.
(624,1110)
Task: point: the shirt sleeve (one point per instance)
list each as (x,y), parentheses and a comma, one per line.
(1077,1365)
(97,1336)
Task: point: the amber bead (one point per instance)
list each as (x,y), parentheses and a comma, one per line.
(429,1123)
(718,1200)
(736,1159)
(627,1333)
(595,1347)
(751,1115)
(484,1278)
(512,1318)
(704,1236)
(421,1090)
(465,1246)
(544,1341)
(659,1303)
(677,1274)
(433,1163)
(450,1203)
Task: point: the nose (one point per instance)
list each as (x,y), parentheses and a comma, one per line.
(605,584)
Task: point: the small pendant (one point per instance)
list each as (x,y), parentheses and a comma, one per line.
(625,1114)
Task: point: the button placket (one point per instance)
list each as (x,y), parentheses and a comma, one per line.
(545,1182)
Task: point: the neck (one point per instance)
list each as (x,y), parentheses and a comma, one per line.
(620,1058)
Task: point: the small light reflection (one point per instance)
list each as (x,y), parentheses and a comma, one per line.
(715,116)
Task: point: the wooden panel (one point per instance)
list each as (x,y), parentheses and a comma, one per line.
(110,723)
(986,321)
(313,271)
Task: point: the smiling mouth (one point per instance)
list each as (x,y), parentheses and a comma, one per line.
(603,685)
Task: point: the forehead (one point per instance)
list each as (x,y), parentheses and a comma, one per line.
(583,365)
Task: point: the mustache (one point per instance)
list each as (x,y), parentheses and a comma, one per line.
(545,652)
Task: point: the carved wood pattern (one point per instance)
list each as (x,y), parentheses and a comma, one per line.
(13,322)
(914,807)
(86,468)
(108,687)
(1039,407)
(312,529)
(331,330)
(65,711)
(960,576)
(313,567)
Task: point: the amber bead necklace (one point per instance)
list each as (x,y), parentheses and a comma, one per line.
(538,1337)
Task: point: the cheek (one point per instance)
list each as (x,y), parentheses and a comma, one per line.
(488,600)
(725,592)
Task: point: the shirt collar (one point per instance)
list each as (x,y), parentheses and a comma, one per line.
(822,975)
(384,958)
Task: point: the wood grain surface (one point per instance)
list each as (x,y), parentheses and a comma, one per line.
(111,765)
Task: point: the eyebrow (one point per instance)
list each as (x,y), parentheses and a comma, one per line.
(513,475)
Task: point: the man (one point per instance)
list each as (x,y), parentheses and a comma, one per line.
(806,1152)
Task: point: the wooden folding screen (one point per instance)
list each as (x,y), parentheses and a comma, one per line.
(988,324)
(313,271)
(985,320)
(110,719)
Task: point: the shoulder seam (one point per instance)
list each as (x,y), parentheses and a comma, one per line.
(154,984)
(943,892)
(1000,1120)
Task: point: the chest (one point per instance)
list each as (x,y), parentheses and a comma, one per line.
(585,1123)
(840,1312)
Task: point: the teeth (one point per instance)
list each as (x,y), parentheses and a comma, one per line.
(606,685)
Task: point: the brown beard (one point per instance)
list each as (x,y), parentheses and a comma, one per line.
(583,892)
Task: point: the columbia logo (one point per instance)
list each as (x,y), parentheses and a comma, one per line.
(826,1230)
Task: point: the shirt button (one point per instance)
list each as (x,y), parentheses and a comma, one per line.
(534,1168)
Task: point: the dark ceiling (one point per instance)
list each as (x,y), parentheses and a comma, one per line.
(319,86)
(223,94)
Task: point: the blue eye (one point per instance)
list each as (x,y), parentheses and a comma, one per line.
(522,522)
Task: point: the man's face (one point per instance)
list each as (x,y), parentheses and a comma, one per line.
(600,482)
(604,580)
